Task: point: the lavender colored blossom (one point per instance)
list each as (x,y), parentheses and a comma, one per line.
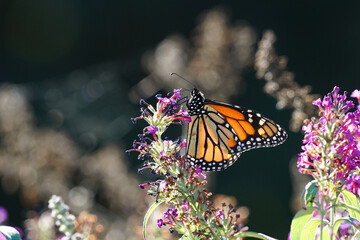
(185,206)
(152,129)
(160,223)
(199,173)
(177,93)
(345,229)
(356,94)
(170,213)
(353,184)
(220,214)
(3,214)
(337,131)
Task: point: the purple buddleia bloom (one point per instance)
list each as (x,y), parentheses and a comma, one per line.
(152,129)
(344,230)
(164,100)
(356,94)
(3,214)
(199,173)
(170,214)
(160,222)
(353,184)
(337,130)
(173,212)
(177,93)
(220,214)
(185,206)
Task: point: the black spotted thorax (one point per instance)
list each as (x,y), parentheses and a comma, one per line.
(195,103)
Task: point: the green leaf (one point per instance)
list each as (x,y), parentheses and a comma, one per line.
(253,235)
(301,218)
(10,233)
(353,202)
(148,213)
(309,192)
(309,231)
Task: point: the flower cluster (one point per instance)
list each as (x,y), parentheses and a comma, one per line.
(331,153)
(159,119)
(182,187)
(64,220)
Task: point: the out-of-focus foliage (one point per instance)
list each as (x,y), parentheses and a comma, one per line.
(213,59)
(39,162)
(280,82)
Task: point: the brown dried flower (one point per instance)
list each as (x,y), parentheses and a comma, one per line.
(280,83)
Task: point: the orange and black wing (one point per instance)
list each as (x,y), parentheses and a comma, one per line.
(218,136)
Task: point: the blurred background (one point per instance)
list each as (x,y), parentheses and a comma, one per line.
(72,74)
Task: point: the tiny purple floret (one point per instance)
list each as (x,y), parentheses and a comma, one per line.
(152,129)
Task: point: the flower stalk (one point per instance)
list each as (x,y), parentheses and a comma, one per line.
(331,155)
(181,187)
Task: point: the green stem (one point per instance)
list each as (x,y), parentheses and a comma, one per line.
(321,220)
(332,221)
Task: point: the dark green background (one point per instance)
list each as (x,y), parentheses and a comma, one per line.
(42,41)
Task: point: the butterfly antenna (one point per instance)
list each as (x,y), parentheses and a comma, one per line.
(183,79)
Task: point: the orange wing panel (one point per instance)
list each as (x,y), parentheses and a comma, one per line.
(201,140)
(229,112)
(247,127)
(238,129)
(268,131)
(273,127)
(217,154)
(209,151)
(262,133)
(231,142)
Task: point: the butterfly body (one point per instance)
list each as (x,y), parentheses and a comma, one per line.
(219,132)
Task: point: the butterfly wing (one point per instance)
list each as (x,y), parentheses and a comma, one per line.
(218,136)
(210,142)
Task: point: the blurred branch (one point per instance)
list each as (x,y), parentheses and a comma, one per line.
(280,82)
(213,59)
(39,162)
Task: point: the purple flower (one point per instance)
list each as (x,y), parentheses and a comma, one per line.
(220,214)
(303,163)
(337,130)
(170,214)
(3,214)
(317,102)
(344,229)
(185,114)
(327,102)
(177,93)
(199,173)
(353,184)
(185,206)
(152,129)
(160,223)
(164,100)
(173,212)
(356,94)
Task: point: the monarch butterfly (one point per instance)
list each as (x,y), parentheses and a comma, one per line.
(219,132)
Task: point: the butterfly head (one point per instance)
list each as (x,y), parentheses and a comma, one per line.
(195,102)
